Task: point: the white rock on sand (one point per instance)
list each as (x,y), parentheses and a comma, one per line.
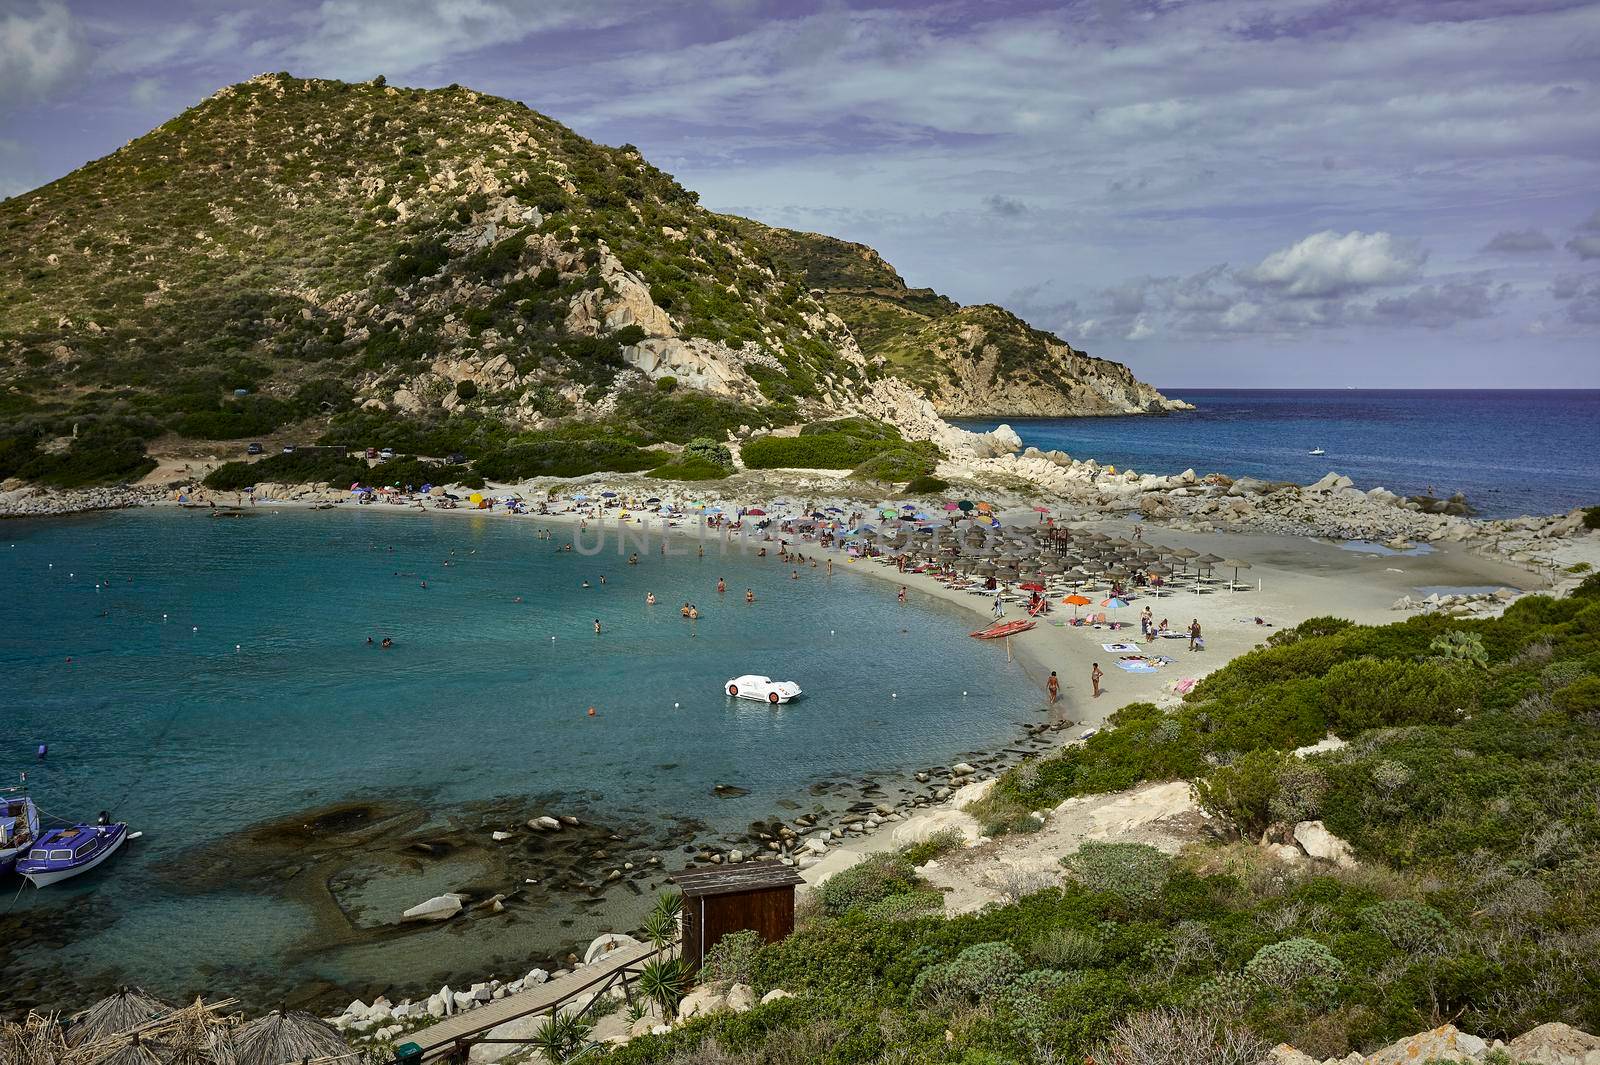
(438,908)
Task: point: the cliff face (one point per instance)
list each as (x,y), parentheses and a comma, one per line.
(980,361)
(294,250)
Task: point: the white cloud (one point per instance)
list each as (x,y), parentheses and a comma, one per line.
(39,49)
(1334,264)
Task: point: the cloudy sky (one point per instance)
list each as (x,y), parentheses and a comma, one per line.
(1217,192)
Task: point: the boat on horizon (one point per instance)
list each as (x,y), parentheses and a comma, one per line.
(62,853)
(19,828)
(1317,451)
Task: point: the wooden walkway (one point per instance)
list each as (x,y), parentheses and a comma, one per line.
(459,1032)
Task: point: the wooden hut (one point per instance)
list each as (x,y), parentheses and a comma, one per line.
(753,895)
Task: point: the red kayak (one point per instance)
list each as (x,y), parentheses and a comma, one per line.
(1002,628)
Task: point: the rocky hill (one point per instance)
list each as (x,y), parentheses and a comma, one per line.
(364,262)
(980,361)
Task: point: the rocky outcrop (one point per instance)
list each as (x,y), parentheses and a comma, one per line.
(1548,1044)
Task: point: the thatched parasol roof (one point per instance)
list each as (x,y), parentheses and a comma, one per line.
(123,1011)
(280,1038)
(36,1041)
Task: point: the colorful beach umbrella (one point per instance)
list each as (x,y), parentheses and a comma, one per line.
(1113,603)
(1076,600)
(757,511)
(966,506)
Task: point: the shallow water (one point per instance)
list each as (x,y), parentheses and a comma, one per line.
(221,678)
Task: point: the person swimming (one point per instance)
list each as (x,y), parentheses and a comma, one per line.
(722,585)
(585,583)
(387,643)
(749,596)
(650,598)
(694,612)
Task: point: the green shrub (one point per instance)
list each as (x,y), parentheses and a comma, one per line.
(710,450)
(1579,697)
(926,485)
(898,464)
(666,384)
(1133,872)
(828,451)
(1368,693)
(980,972)
(1066,948)
(1300,968)
(942,842)
(100,455)
(628,336)
(689,468)
(566,458)
(1242,794)
(733,958)
(903,907)
(467,390)
(873,879)
(1591,517)
(1414,927)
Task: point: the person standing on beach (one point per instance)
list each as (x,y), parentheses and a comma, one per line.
(1053,686)
(1194,635)
(1094,679)
(999,607)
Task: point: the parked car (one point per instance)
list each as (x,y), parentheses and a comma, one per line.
(288,449)
(386,454)
(456,458)
(253,449)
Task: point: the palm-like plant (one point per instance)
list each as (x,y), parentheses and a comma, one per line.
(562,1037)
(665,981)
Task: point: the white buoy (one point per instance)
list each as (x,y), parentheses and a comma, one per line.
(163,617)
(894,695)
(195,629)
(963,693)
(136,835)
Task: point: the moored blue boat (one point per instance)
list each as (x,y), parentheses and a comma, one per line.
(19,829)
(66,852)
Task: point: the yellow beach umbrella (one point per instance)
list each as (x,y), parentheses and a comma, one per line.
(475,498)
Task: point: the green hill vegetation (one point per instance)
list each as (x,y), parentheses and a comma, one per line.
(323,258)
(1468,789)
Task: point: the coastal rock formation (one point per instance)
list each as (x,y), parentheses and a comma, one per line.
(1315,839)
(968,361)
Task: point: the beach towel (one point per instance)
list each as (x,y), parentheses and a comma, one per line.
(1118,648)
(1184,686)
(1136,667)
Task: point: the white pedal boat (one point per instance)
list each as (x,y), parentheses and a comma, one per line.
(762,689)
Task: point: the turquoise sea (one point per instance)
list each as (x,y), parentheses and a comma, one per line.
(1510,452)
(200,678)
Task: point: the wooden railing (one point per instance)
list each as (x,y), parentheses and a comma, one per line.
(456,1048)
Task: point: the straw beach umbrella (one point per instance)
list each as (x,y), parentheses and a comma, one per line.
(36,1041)
(291,1036)
(1236,565)
(127,1009)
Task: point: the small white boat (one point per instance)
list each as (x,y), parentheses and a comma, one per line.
(762,689)
(1318,451)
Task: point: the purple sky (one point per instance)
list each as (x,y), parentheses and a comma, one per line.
(1225,192)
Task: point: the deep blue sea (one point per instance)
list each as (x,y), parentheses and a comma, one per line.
(1510,452)
(197,676)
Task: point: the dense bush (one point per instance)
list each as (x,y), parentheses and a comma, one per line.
(1368,693)
(100,455)
(899,464)
(566,458)
(1302,968)
(926,485)
(876,877)
(828,451)
(688,467)
(1133,872)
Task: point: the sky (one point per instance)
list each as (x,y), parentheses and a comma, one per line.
(1288,193)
